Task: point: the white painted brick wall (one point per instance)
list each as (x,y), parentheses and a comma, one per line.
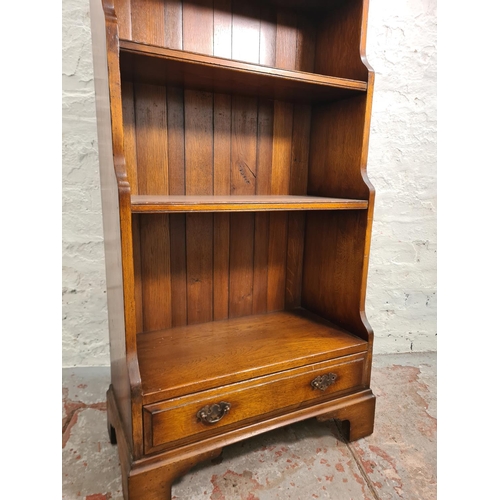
(401,295)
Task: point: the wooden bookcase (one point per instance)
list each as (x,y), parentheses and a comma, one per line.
(233,139)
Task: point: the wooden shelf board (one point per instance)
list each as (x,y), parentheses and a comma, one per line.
(162,66)
(241,203)
(188,359)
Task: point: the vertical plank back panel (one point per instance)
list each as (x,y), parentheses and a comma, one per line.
(243,145)
(177,185)
(197,36)
(189,142)
(306,44)
(155,272)
(222,28)
(176,170)
(267,42)
(277,261)
(198,26)
(151,124)
(175,135)
(246,32)
(263,186)
(260,264)
(296,220)
(152,178)
(178,269)
(222,185)
(245,47)
(173,24)
(286,42)
(282,147)
(198,113)
(198,110)
(241,264)
(148,21)
(243,176)
(199,251)
(267,56)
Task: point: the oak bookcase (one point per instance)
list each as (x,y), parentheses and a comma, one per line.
(233,139)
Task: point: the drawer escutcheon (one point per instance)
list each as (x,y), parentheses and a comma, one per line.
(211,414)
(322,382)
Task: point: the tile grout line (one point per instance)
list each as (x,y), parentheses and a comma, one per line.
(360,467)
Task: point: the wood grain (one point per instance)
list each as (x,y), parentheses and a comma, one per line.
(117,225)
(177,186)
(243,145)
(246,32)
(199,142)
(236,349)
(260,263)
(178,269)
(173,24)
(199,228)
(240,203)
(197,26)
(294,259)
(333,260)
(148,21)
(122,9)
(176,137)
(282,149)
(222,186)
(222,28)
(335,166)
(267,42)
(276,265)
(175,421)
(155,272)
(241,264)
(162,66)
(199,250)
(338,42)
(221,266)
(151,122)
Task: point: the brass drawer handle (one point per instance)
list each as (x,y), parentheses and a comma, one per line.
(210,414)
(322,382)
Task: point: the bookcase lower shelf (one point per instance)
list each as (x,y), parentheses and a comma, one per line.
(188,359)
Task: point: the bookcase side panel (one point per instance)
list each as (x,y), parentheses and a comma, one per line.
(115,193)
(333,261)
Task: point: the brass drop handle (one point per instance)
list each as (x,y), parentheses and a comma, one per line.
(322,382)
(210,414)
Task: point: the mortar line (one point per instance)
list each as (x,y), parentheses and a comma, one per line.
(368,481)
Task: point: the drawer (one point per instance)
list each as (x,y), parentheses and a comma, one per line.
(206,413)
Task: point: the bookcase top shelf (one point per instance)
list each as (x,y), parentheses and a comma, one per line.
(240,203)
(157,65)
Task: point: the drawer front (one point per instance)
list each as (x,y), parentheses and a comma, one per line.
(211,412)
